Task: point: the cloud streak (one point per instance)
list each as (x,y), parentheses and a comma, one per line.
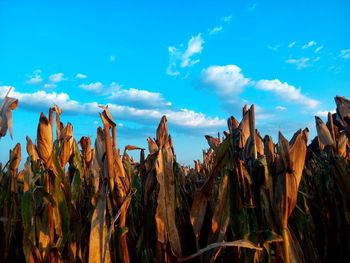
(300,63)
(309,44)
(345,53)
(286,92)
(95,87)
(215,30)
(229,82)
(134,97)
(180,58)
(58,77)
(34,78)
(141,98)
(80,76)
(182,120)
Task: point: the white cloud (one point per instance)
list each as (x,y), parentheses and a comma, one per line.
(215,30)
(112,58)
(183,58)
(309,44)
(42,100)
(324,113)
(280,108)
(345,53)
(291,44)
(80,76)
(274,47)
(183,119)
(171,70)
(286,92)
(50,86)
(300,62)
(134,97)
(94,87)
(318,49)
(226,80)
(194,46)
(55,78)
(335,68)
(138,97)
(35,77)
(227,19)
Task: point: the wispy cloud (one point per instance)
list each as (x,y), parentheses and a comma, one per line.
(134,97)
(182,120)
(274,47)
(318,49)
(345,53)
(34,78)
(55,78)
(93,86)
(335,68)
(194,46)
(227,19)
(280,108)
(182,58)
(300,63)
(215,30)
(287,92)
(141,98)
(50,86)
(228,82)
(292,44)
(112,58)
(309,44)
(80,76)
(324,113)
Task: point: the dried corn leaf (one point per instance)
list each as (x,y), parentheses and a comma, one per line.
(100,148)
(245,130)
(98,233)
(45,140)
(165,213)
(242,243)
(31,150)
(15,157)
(162,132)
(67,144)
(284,157)
(58,111)
(220,213)
(107,117)
(7,105)
(152,146)
(342,145)
(297,152)
(213,142)
(323,133)
(343,106)
(131,147)
(269,151)
(232,124)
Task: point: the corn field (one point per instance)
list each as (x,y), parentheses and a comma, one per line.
(249,200)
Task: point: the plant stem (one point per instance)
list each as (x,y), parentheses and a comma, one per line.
(285,245)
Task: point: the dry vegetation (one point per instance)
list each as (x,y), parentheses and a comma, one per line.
(248,200)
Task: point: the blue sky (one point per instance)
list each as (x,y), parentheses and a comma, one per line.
(196,62)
